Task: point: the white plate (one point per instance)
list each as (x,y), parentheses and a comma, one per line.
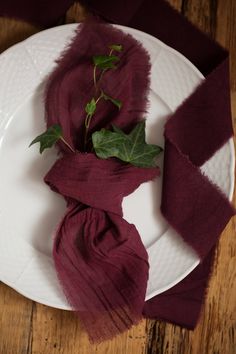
(30,211)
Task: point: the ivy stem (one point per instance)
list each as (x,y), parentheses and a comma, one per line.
(96,82)
(86,132)
(88,121)
(98,99)
(94,77)
(66,143)
(96,86)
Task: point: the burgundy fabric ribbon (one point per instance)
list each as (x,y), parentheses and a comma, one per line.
(99,257)
(193,133)
(42,13)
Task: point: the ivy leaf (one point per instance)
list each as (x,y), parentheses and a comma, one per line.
(116,102)
(90,107)
(105,61)
(48,138)
(130,147)
(117,130)
(116,47)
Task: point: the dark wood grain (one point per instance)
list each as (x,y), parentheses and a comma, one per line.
(14,31)
(15,322)
(30,328)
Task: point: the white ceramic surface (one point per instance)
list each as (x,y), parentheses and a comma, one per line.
(30,211)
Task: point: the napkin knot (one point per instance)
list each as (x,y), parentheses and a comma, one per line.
(99,257)
(97,183)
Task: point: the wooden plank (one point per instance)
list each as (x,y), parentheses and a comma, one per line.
(76,13)
(177,4)
(203,13)
(56,331)
(226,33)
(15,322)
(13,31)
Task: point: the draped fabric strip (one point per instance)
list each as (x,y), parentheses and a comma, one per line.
(39,13)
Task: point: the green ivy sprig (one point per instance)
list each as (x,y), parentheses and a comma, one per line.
(104,63)
(131,148)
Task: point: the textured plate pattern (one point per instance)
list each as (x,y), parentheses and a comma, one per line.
(22,78)
(221,170)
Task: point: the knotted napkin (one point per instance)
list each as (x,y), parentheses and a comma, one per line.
(99,257)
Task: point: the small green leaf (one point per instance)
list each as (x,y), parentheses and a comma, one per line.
(105,61)
(116,47)
(90,107)
(130,147)
(116,102)
(48,138)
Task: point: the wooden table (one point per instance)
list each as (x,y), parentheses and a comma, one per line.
(27,327)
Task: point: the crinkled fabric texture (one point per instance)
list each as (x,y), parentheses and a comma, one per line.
(71,84)
(99,257)
(191,204)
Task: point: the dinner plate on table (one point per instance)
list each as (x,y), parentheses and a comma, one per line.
(30,211)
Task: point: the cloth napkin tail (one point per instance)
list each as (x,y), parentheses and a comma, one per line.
(182,304)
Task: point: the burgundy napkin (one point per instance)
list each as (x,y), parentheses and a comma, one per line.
(196,208)
(99,257)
